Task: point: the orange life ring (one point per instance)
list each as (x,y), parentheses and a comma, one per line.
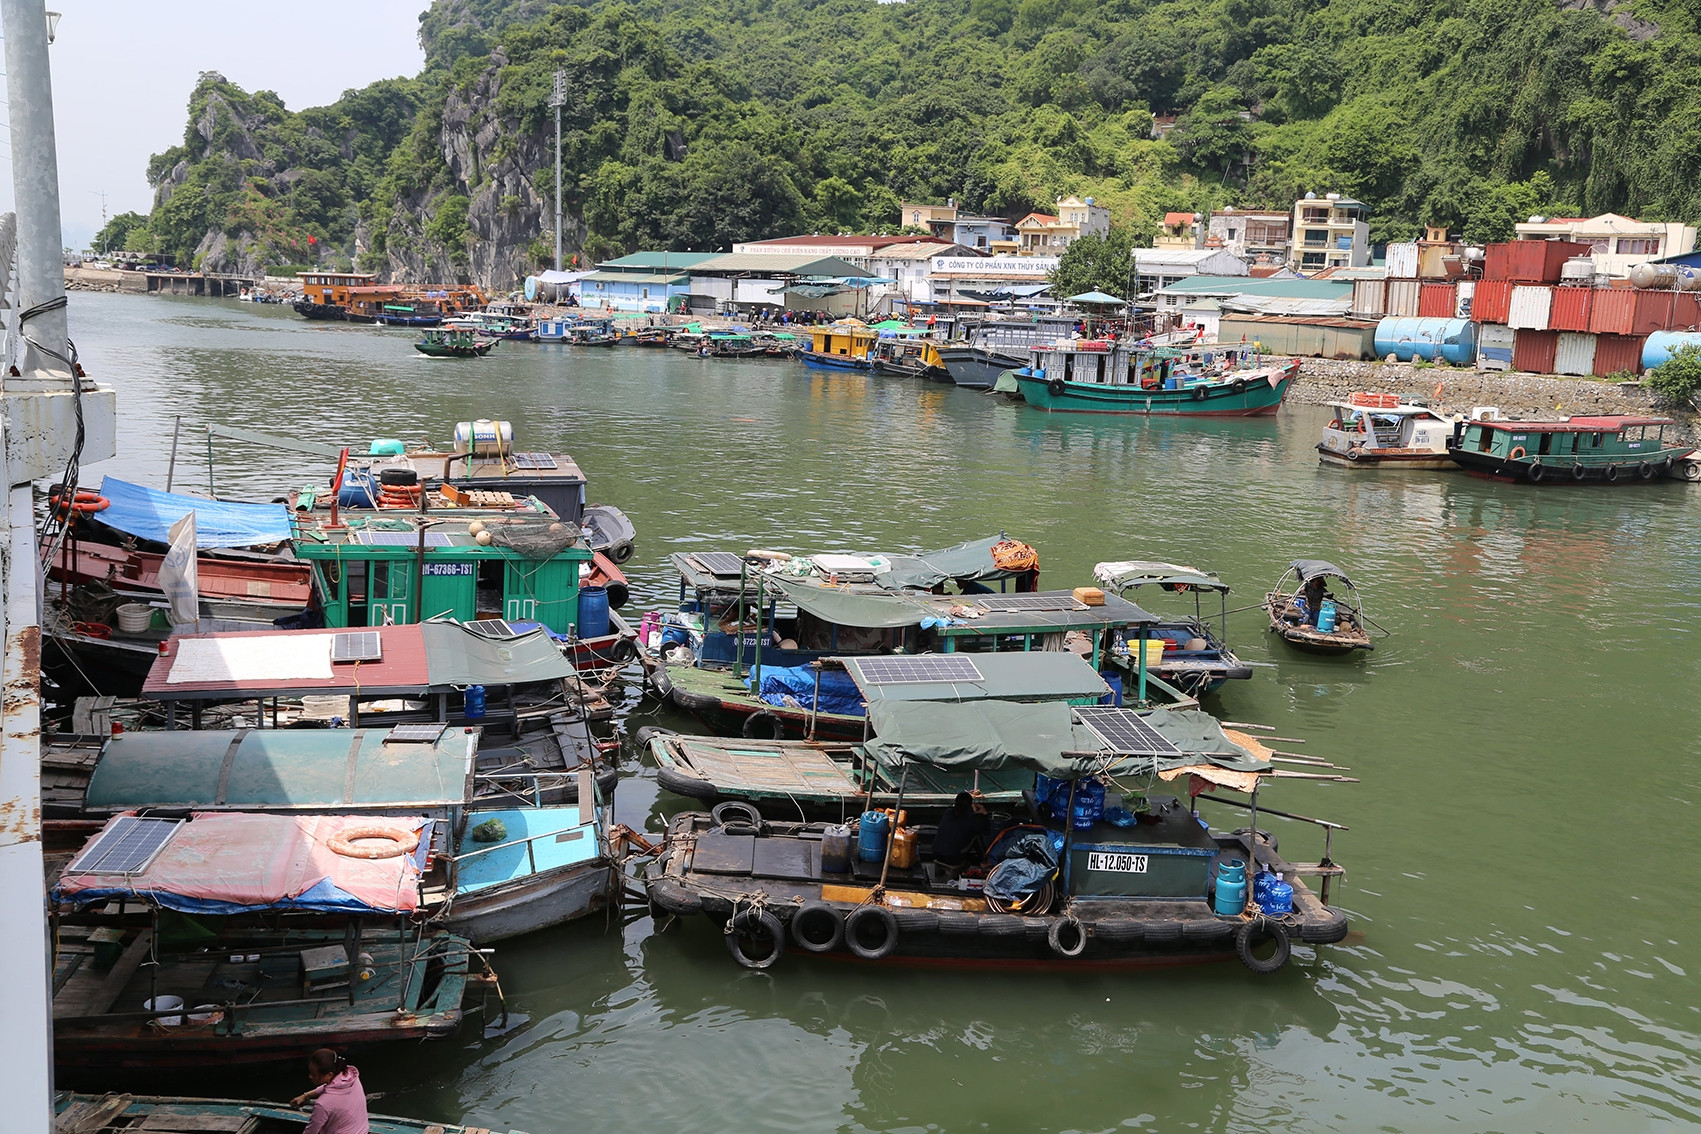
(397,841)
(1516,453)
(82,501)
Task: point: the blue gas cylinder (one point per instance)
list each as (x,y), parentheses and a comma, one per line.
(1231,892)
(1278,898)
(475,702)
(1326,616)
(1231,868)
(871,835)
(1301,605)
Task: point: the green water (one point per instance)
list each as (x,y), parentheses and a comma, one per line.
(1523,853)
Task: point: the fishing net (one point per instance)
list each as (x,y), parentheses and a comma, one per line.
(543,537)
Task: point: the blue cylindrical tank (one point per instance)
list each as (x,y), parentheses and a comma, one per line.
(871,835)
(474,702)
(1450,340)
(1661,345)
(593,612)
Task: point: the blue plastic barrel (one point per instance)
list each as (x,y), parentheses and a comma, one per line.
(475,702)
(871,835)
(358,490)
(593,612)
(1326,616)
(1114,697)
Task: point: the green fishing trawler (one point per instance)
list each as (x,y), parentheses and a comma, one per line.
(1578,450)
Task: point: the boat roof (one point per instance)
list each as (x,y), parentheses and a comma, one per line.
(448,535)
(1044,675)
(970,561)
(283,769)
(1575,424)
(265,862)
(1308,569)
(1404,409)
(957,616)
(149,513)
(1124,573)
(417,658)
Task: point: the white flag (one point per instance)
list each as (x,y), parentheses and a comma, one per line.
(178,576)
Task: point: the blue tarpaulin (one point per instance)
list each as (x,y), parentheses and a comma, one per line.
(794,687)
(148,513)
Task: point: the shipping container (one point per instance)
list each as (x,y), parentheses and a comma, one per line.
(1612,311)
(1301,335)
(1533,351)
(1530,261)
(1494,346)
(1370,297)
(1402,261)
(1491,302)
(1575,353)
(1464,295)
(1619,354)
(1436,301)
(1403,298)
(1529,308)
(1570,311)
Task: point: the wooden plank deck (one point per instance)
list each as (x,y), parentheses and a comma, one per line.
(774,766)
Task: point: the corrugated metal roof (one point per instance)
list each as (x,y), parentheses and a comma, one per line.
(1247,285)
(671,261)
(638,277)
(774,263)
(1180,257)
(1305,321)
(1284,305)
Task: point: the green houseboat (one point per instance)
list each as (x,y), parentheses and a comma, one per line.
(377,570)
(1578,450)
(1101,376)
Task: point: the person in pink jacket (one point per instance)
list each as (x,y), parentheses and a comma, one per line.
(339,1101)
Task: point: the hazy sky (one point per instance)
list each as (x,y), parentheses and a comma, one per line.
(123,70)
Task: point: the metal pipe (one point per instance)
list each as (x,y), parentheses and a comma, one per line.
(35,189)
(892,834)
(171,466)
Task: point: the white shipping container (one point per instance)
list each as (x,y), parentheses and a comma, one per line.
(1402,260)
(1403,297)
(1463,293)
(1370,296)
(1576,353)
(1494,347)
(1530,308)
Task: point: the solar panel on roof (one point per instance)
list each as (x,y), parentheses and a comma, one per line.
(1126,732)
(356,645)
(126,846)
(1028,602)
(404,539)
(492,628)
(534,461)
(916,670)
(722,563)
(415,734)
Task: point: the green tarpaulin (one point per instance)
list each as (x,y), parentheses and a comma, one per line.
(963,561)
(455,655)
(868,609)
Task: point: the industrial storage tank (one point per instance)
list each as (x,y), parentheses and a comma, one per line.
(1449,340)
(1653,275)
(1661,345)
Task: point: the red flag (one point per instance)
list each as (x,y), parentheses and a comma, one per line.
(312,240)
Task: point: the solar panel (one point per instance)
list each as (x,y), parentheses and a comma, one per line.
(492,628)
(915,670)
(415,734)
(357,645)
(1028,602)
(721,563)
(534,461)
(1126,732)
(125,847)
(404,539)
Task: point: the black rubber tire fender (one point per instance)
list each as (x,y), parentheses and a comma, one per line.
(1535,471)
(670,897)
(817,927)
(864,916)
(750,730)
(1067,936)
(1692,471)
(755,923)
(623,651)
(1355,454)
(1645,470)
(717,907)
(1199,393)
(1325,932)
(1207,931)
(956,923)
(1162,932)
(1055,387)
(1611,474)
(1253,933)
(736,811)
(1579,472)
(1120,930)
(620,552)
(1265,835)
(916,922)
(691,787)
(1001,925)
(648,733)
(1240,385)
(398,476)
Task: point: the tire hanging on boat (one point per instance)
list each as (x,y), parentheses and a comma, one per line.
(1265,835)
(1253,933)
(1067,936)
(735,811)
(1535,472)
(1645,470)
(1198,393)
(816,927)
(886,925)
(751,731)
(755,924)
(1611,474)
(1578,472)
(1055,387)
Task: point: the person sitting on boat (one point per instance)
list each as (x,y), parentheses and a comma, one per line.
(961,837)
(339,1101)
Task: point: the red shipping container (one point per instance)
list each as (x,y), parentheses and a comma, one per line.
(1617,353)
(1613,311)
(1530,261)
(1492,301)
(1436,301)
(1570,311)
(1662,311)
(1534,352)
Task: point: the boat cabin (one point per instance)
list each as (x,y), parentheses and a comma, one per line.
(1105,362)
(333,287)
(1371,428)
(1588,439)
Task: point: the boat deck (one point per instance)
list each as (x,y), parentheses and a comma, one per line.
(538,840)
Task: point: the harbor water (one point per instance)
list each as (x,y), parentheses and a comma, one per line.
(1521,855)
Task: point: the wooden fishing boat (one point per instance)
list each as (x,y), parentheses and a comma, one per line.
(592,333)
(171,1114)
(1309,616)
(1195,654)
(135,574)
(1103,376)
(1579,450)
(1086,882)
(1379,431)
(838,346)
(992,346)
(910,355)
(453,344)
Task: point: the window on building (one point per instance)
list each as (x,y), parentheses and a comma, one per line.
(643,293)
(1312,260)
(1638,245)
(1231,234)
(1316,238)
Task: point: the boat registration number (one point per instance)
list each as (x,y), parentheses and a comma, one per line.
(1124,863)
(451,570)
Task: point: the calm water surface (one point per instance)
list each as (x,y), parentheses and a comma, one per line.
(1523,858)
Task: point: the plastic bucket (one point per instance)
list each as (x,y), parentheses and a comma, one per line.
(135,617)
(1154,652)
(593,612)
(164,1004)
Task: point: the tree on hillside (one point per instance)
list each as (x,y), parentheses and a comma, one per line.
(1096,263)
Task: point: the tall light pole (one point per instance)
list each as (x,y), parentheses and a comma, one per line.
(558,99)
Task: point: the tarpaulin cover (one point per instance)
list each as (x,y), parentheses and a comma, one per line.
(1124,573)
(148,513)
(1007,676)
(844,607)
(964,561)
(1309,569)
(1027,864)
(455,655)
(794,687)
(243,863)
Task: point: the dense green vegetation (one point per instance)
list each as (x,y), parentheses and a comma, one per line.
(1677,380)
(693,125)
